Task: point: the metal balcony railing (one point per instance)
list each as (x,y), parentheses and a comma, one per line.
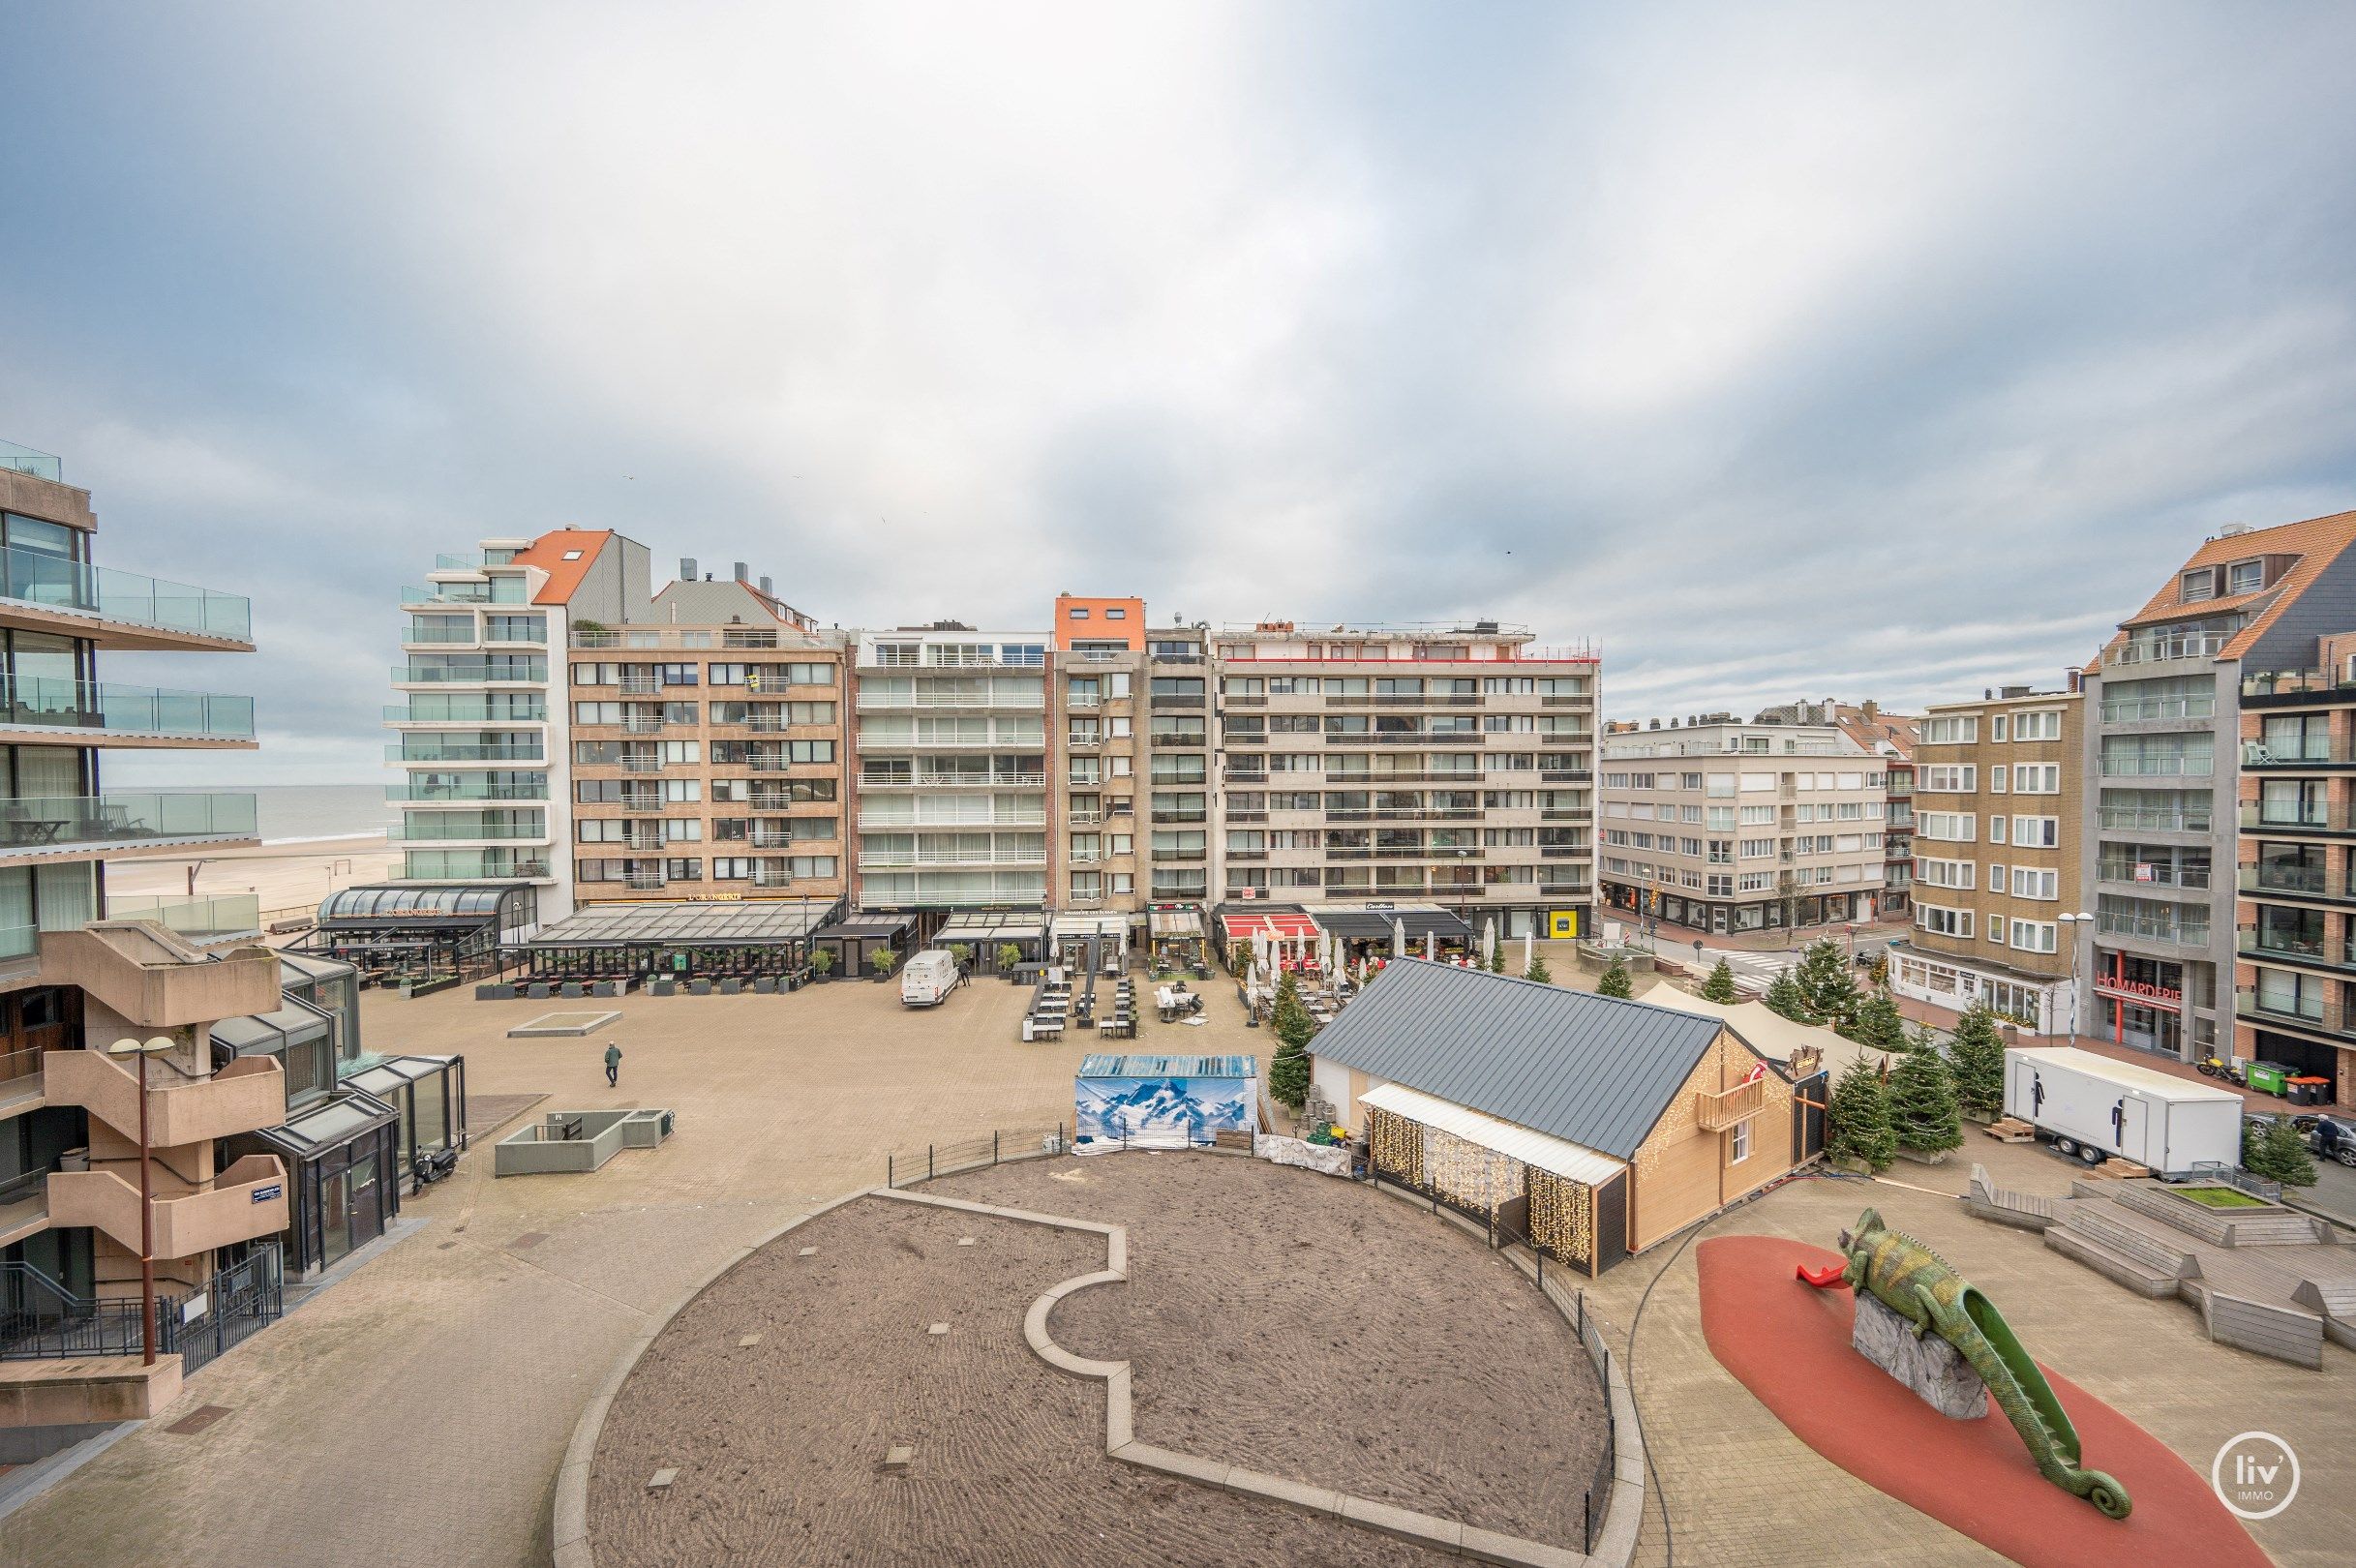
(30,577)
(2295,882)
(2294,817)
(2154,648)
(2310,1010)
(2297,751)
(2146,709)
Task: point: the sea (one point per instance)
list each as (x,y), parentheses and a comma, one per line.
(316,813)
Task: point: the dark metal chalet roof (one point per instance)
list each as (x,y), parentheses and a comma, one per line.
(1589,1069)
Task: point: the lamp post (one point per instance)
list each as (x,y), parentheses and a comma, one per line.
(143,1049)
(2070,927)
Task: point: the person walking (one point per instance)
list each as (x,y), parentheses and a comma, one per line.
(613,1064)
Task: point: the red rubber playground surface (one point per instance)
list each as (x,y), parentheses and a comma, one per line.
(1788,1343)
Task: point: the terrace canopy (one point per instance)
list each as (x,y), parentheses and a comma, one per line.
(858,933)
(1176,931)
(1072,934)
(986,930)
(1286,925)
(430,1094)
(1374,922)
(430,931)
(623,941)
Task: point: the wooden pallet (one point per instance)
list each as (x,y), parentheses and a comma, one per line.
(2118,1170)
(2011,1130)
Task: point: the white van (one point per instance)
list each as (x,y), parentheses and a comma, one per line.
(928,979)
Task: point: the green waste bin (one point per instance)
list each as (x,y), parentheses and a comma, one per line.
(2271,1077)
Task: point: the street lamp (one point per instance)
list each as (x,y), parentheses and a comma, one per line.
(143,1049)
(2070,927)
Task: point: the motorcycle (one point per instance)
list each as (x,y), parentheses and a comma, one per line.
(2211,1067)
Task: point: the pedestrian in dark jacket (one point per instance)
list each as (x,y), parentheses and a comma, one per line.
(613,1064)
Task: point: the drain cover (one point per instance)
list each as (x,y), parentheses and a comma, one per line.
(529,1238)
(197,1420)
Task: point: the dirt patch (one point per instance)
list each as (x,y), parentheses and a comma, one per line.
(1312,1328)
(783,1448)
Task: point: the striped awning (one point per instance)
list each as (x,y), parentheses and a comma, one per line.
(1562,1157)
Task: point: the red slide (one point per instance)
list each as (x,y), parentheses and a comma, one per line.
(1827,1278)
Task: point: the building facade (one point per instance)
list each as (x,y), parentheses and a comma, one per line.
(1448,765)
(2295,877)
(2163,776)
(1726,826)
(1100,687)
(82,970)
(483,743)
(1998,857)
(1891,737)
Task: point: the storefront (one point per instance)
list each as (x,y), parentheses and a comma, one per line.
(342,1162)
(2034,1004)
(1176,933)
(989,931)
(429,1094)
(2140,1002)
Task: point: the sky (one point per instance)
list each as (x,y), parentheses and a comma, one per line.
(1778,351)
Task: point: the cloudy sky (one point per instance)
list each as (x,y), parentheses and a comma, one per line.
(1781,350)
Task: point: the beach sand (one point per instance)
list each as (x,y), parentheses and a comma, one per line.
(290,879)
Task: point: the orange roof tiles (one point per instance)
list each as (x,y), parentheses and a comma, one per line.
(549,552)
(2317,542)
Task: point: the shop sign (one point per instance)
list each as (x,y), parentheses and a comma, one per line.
(2141,991)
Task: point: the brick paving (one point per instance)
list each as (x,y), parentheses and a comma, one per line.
(419,1410)
(1740,1490)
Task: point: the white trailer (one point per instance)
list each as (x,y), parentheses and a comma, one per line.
(928,979)
(2094,1108)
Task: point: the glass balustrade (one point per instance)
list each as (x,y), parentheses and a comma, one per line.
(43,821)
(122,709)
(55,582)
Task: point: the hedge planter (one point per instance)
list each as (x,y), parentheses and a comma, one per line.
(664,987)
(763,985)
(702,987)
(732,987)
(494,993)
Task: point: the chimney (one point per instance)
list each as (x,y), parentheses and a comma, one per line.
(1870,709)
(768,588)
(686,568)
(744,572)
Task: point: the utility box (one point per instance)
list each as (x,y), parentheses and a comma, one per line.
(2093,1108)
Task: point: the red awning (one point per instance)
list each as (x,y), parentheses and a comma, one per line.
(1285,928)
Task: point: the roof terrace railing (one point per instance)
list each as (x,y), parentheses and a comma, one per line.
(129,598)
(25,459)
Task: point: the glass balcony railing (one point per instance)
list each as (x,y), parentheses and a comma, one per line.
(24,460)
(472,789)
(206,919)
(2298,682)
(460,751)
(56,584)
(461,864)
(45,822)
(466,710)
(523,671)
(497,591)
(120,709)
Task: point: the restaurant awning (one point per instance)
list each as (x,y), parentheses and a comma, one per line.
(1374,921)
(1081,928)
(1565,1159)
(982,928)
(1285,925)
(750,924)
(864,925)
(1176,924)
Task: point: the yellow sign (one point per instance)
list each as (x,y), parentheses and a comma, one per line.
(1562,923)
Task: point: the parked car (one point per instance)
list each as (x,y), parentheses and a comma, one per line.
(2333,1137)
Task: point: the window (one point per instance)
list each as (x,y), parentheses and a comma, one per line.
(1996,829)
(1957,874)
(2036,936)
(2036,778)
(1998,777)
(2195,586)
(2044,725)
(1996,727)
(1938,922)
(1949,779)
(2037,832)
(2245,577)
(1741,1143)
(2028,881)
(1949,732)
(1947,826)
(1116,612)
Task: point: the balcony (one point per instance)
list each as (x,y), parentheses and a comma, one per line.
(1078,742)
(2297,953)
(2298,821)
(119,610)
(16,459)
(2155,929)
(2314,1015)
(439,828)
(461,864)
(479,710)
(2183,766)
(652,637)
(2167,646)
(2153,874)
(455,795)
(923,858)
(156,978)
(2296,884)
(978,702)
(48,827)
(96,712)
(1174,702)
(497,591)
(2153,710)
(517,672)
(2305,753)
(906,823)
(2153,820)
(2297,688)
(202,920)
(1717,1111)
(246,1095)
(1196,815)
(411,754)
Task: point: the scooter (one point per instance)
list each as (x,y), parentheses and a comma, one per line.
(2211,1067)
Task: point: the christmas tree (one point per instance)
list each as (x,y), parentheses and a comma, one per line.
(1614,982)
(1824,978)
(2277,1154)
(1537,970)
(1288,1072)
(1922,1113)
(1977,1061)
(1784,996)
(1720,987)
(1856,1121)
(1877,1025)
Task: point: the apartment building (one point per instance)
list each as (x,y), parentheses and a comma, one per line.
(949,786)
(1891,737)
(1099,686)
(1179,707)
(1451,765)
(1999,807)
(82,970)
(1723,827)
(2295,875)
(2164,721)
(486,786)
(707,750)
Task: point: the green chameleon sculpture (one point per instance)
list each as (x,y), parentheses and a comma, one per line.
(1919,1285)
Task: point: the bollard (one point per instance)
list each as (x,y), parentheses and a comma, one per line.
(888,1180)
(928,1161)
(993,1146)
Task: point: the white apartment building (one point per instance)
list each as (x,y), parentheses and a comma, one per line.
(1728,826)
(1451,765)
(483,739)
(950,779)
